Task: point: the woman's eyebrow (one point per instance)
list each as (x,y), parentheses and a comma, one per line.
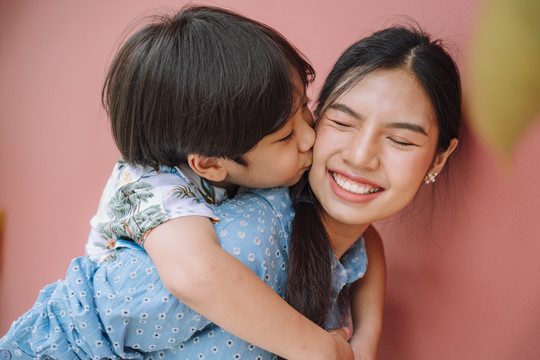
(407,126)
(344,108)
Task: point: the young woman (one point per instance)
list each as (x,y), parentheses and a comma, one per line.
(388,118)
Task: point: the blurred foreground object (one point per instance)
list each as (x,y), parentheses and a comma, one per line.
(504,94)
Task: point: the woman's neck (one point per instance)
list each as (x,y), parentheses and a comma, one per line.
(342,236)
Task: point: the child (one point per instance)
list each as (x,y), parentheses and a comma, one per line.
(174,89)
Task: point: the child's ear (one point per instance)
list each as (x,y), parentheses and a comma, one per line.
(210,168)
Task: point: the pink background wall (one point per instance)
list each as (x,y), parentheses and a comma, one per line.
(463,280)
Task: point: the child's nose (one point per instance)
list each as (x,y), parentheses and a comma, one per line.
(306,135)
(307,139)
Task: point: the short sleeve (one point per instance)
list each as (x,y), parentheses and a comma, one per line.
(137,199)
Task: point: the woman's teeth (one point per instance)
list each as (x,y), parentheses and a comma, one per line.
(353,187)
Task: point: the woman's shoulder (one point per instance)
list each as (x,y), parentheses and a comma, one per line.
(269,205)
(278,198)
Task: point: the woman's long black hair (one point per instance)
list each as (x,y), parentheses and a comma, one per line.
(309,279)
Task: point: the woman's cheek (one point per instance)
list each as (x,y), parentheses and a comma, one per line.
(413,168)
(327,139)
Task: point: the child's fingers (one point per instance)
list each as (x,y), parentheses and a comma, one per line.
(344,332)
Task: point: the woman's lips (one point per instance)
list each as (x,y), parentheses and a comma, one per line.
(356,191)
(355,187)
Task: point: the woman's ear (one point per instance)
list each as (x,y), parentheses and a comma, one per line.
(440,158)
(209,168)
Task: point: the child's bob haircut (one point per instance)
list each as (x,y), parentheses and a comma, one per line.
(204,81)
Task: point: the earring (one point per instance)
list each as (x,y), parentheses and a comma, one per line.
(430,177)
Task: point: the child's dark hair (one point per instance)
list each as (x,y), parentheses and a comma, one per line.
(205,81)
(392,48)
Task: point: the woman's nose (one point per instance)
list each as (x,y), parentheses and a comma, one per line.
(362,152)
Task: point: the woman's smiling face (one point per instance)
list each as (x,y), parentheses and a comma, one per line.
(375,143)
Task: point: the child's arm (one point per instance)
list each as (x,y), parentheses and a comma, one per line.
(368,300)
(196,270)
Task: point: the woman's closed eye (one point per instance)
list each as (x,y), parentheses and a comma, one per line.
(340,124)
(401,142)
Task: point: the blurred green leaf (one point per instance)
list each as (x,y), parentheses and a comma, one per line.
(504,93)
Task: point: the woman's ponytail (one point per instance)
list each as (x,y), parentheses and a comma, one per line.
(309,279)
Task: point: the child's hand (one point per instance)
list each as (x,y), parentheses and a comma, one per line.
(342,347)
